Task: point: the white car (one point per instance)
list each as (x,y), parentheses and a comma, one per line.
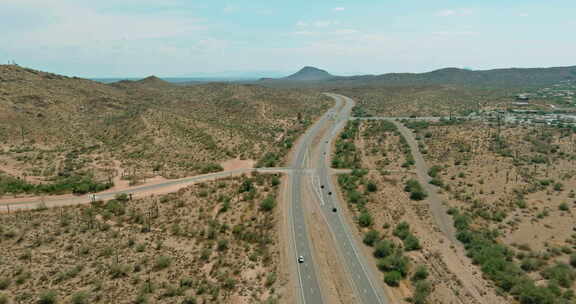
(300,259)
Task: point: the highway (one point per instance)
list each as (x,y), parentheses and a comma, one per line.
(365,281)
(308,285)
(311,170)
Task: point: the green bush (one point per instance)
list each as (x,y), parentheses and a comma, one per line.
(222,245)
(392,278)
(383,249)
(189,300)
(118,270)
(371,237)
(560,273)
(162,262)
(412,243)
(48,297)
(563,207)
(421,273)
(3,299)
(558,187)
(433,172)
(268,204)
(365,219)
(402,230)
(5,283)
(371,187)
(80,298)
(573,260)
(395,262)
(416,191)
(421,292)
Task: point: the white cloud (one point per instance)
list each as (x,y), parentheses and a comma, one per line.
(454,33)
(304,33)
(338,9)
(524,15)
(301,23)
(325,23)
(454,12)
(345,32)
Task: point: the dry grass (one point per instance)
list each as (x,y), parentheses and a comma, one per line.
(208,242)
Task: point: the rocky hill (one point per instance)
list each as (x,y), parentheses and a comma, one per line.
(52,126)
(309,74)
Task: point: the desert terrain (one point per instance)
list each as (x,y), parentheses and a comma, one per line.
(214,242)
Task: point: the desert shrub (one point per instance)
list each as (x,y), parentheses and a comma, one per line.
(558,186)
(412,243)
(268,204)
(433,172)
(371,237)
(189,300)
(122,197)
(115,207)
(392,278)
(421,292)
(172,291)
(118,270)
(141,298)
(365,219)
(402,230)
(560,273)
(437,182)
(5,283)
(222,245)
(209,168)
(162,262)
(531,264)
(48,297)
(246,186)
(229,283)
(383,249)
(395,262)
(371,187)
(269,159)
(80,298)
(573,260)
(563,207)
(275,181)
(421,273)
(3,299)
(416,191)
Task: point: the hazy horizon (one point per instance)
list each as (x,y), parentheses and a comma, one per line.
(177,38)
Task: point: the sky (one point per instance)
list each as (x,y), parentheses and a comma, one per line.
(179,38)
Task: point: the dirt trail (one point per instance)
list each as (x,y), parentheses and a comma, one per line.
(438,209)
(447,253)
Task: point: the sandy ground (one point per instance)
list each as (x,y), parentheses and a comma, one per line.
(235,164)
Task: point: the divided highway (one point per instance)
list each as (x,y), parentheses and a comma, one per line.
(311,171)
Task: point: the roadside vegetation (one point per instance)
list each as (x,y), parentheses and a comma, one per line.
(391,248)
(510,194)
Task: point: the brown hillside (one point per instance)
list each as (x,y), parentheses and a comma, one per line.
(52,125)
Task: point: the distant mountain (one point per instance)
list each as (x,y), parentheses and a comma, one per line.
(309,73)
(497,78)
